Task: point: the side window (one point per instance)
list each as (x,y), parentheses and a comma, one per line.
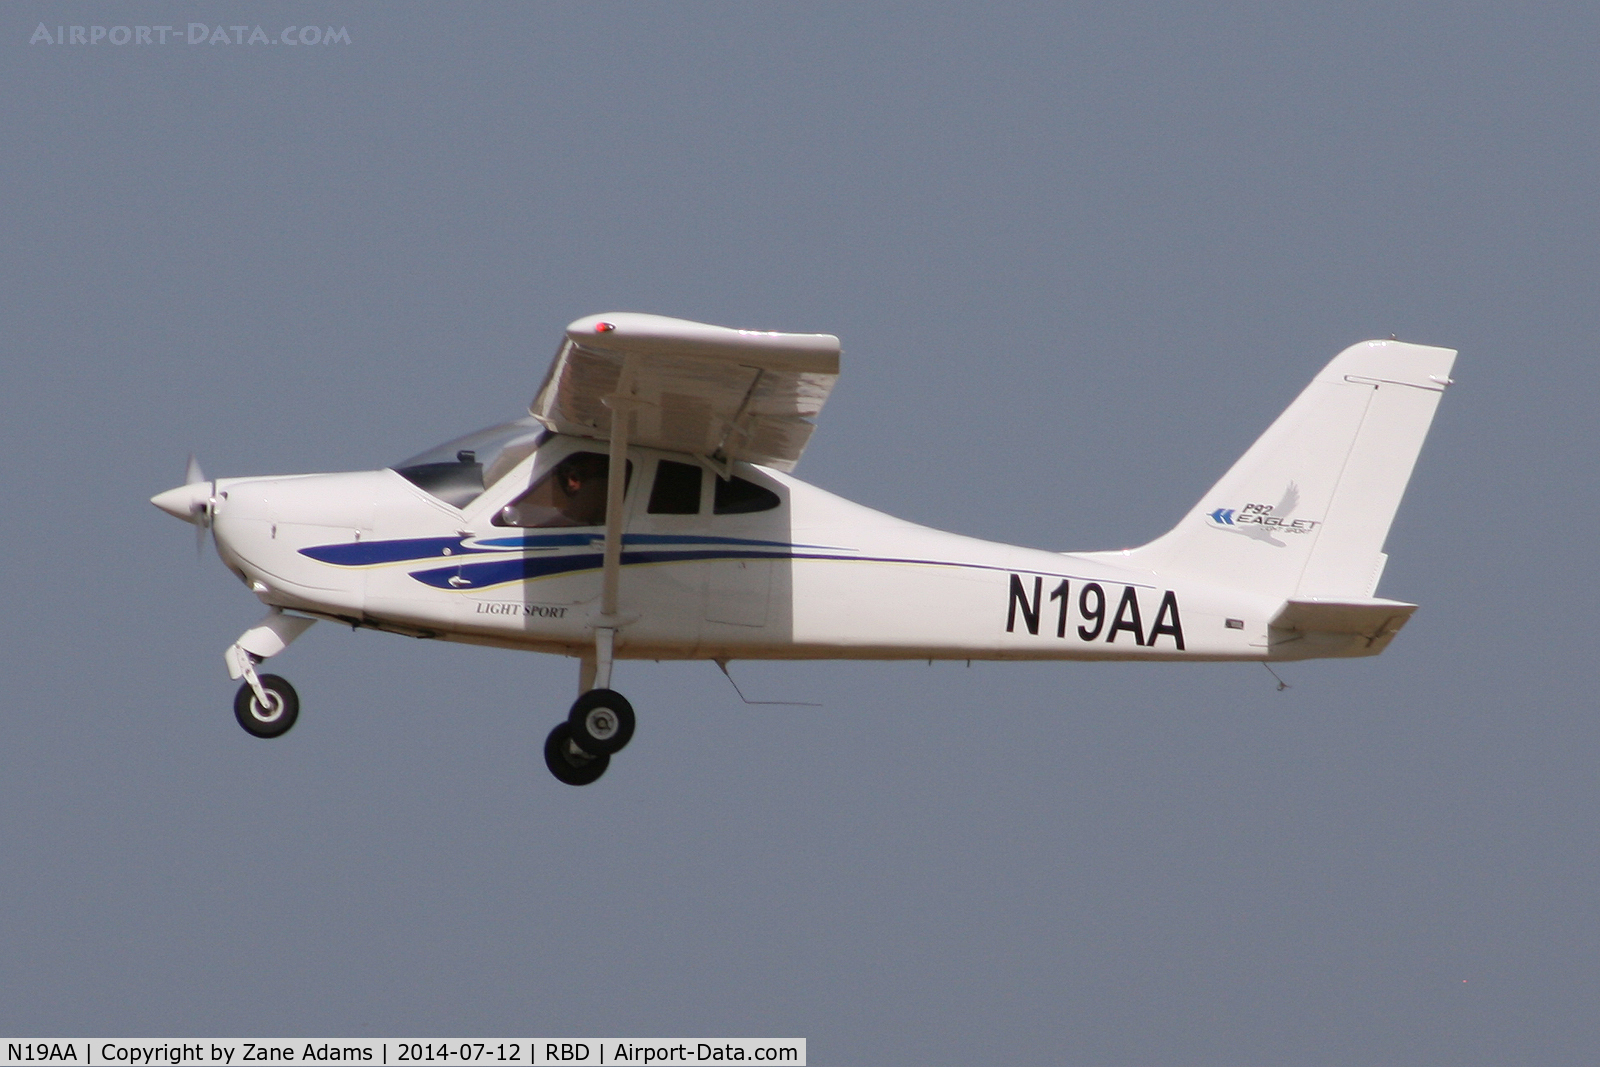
(572,494)
(677,489)
(735,496)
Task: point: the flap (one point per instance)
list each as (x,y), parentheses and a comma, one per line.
(705,390)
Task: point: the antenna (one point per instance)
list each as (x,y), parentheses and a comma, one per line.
(1282,685)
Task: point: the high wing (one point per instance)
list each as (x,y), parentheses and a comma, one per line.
(706,390)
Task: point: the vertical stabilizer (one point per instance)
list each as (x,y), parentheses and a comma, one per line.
(1305,511)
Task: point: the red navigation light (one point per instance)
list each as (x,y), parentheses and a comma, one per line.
(604,327)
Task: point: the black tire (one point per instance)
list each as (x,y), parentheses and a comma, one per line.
(572,768)
(602,722)
(274,721)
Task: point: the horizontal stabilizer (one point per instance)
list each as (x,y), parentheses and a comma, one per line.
(1319,626)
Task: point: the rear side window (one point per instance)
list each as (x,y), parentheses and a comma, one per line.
(735,496)
(677,489)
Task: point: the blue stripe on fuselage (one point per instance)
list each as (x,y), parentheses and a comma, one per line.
(373,553)
(483,575)
(368,553)
(522,569)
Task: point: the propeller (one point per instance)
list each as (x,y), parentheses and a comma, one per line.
(195,502)
(202,509)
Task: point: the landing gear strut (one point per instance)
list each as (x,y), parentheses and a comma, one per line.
(601,721)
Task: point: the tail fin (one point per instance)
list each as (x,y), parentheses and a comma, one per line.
(1305,511)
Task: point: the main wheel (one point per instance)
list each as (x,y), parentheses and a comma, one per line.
(568,763)
(279,714)
(601,722)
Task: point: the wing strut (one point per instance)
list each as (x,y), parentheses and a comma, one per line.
(622,404)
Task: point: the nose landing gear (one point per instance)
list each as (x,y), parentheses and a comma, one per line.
(266,705)
(269,718)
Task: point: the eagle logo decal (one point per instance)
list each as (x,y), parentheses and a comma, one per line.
(1262,522)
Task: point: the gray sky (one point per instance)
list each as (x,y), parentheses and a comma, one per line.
(1078,258)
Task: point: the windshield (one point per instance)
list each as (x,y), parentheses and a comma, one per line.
(461,469)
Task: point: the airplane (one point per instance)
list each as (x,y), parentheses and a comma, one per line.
(645,508)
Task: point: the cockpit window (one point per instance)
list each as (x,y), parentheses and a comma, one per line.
(572,494)
(458,471)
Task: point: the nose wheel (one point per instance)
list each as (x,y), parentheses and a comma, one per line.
(270,714)
(600,725)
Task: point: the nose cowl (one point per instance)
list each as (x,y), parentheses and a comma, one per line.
(186,502)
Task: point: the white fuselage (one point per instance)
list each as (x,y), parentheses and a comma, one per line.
(638,512)
(815,577)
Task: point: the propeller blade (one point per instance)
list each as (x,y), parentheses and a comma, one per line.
(193,473)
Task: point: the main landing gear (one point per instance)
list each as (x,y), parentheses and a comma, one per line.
(599,725)
(579,750)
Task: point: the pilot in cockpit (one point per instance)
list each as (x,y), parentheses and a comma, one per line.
(572,494)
